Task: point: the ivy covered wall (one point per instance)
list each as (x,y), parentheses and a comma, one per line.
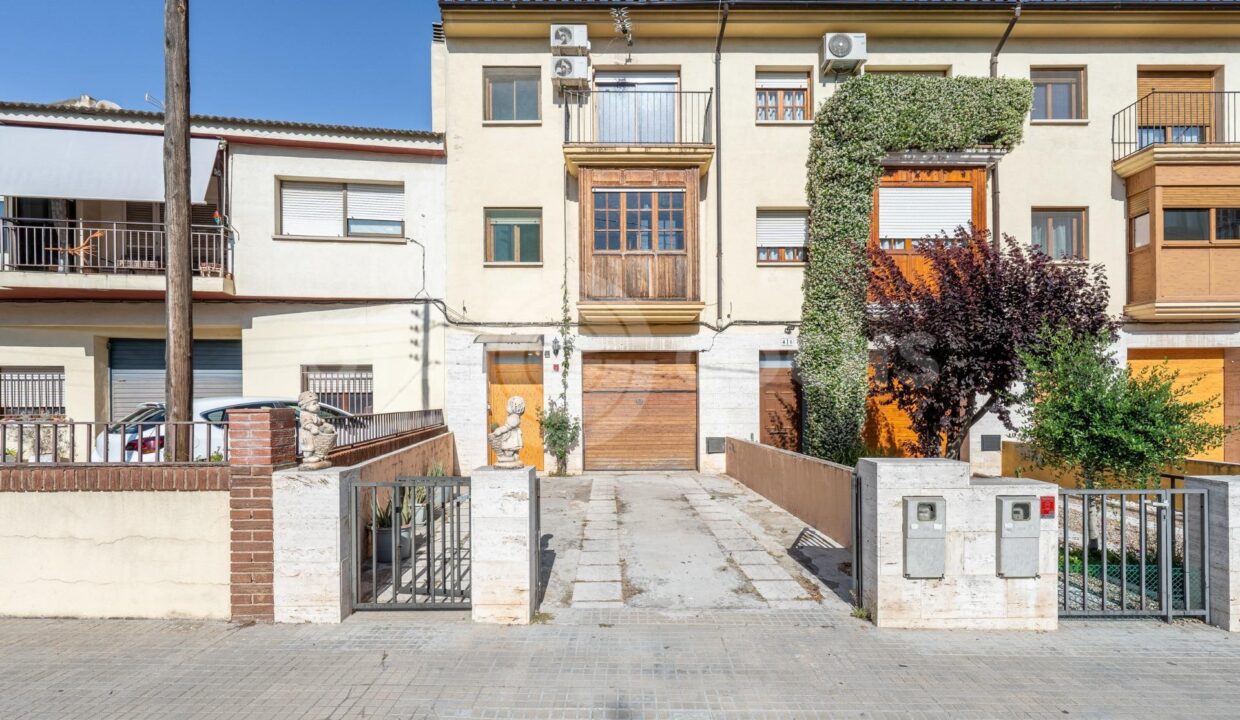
(867,117)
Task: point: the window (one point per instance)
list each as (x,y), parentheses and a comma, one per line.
(512,94)
(912,213)
(783,96)
(1227,224)
(1201,224)
(348,387)
(1061,233)
(321,209)
(782,235)
(513,235)
(33,392)
(1058,93)
(1141,231)
(643,220)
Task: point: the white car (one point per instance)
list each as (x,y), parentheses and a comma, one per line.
(139,437)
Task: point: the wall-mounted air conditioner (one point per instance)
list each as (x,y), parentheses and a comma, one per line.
(843,53)
(569,40)
(570,71)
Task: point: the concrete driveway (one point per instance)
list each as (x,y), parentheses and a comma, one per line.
(680,541)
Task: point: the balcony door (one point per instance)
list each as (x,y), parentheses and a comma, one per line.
(636,108)
(1175,106)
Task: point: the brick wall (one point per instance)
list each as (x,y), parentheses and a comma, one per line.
(259,443)
(114,478)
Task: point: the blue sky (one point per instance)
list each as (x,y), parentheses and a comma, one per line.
(354,62)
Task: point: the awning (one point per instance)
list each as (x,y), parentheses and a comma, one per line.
(527,343)
(92,165)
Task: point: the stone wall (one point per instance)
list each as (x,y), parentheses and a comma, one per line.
(1223,526)
(970,594)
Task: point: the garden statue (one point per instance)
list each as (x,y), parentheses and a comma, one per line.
(506,439)
(317,436)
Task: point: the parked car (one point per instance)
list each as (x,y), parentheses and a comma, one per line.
(139,436)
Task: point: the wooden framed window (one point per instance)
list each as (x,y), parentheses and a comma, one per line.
(348,387)
(782,236)
(906,214)
(639,220)
(341,210)
(512,94)
(513,236)
(783,96)
(1201,224)
(1061,233)
(1058,93)
(1139,231)
(32,392)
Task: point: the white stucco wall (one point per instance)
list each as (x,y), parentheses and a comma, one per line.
(115,554)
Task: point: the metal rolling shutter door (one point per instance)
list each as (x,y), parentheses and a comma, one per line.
(138,371)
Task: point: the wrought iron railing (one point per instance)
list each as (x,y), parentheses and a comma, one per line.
(623,116)
(1176,118)
(137,443)
(105,246)
(358,429)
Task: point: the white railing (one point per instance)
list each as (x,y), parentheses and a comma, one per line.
(105,246)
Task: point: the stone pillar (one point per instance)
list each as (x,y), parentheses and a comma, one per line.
(1223,493)
(502,576)
(971,594)
(259,443)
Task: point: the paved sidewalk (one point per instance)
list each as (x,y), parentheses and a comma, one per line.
(623,663)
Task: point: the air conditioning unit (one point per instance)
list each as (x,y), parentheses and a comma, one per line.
(843,52)
(570,71)
(569,40)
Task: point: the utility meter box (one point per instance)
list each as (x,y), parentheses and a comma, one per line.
(1017,532)
(925,537)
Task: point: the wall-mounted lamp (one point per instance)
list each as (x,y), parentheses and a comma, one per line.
(555,347)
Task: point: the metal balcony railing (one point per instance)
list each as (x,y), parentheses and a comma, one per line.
(1176,118)
(623,116)
(104,246)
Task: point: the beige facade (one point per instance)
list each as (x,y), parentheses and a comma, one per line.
(755,165)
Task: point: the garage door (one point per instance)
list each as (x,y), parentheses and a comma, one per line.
(640,411)
(137,370)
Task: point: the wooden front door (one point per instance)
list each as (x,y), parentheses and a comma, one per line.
(640,411)
(779,403)
(510,374)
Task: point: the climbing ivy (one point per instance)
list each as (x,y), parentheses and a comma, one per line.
(867,117)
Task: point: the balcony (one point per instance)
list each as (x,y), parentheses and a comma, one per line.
(623,126)
(1197,127)
(58,256)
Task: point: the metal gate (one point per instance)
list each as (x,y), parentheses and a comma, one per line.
(1134,553)
(411,544)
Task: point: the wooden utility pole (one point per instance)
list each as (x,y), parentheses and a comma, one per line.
(179,383)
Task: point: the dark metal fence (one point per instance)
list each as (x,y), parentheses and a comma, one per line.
(57,441)
(624,116)
(411,544)
(357,429)
(32,392)
(106,246)
(1176,118)
(1134,552)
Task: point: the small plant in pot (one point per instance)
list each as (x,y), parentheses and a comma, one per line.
(383,515)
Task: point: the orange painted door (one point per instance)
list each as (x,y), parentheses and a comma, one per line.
(512,374)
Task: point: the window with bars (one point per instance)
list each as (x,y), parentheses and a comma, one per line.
(348,387)
(342,210)
(632,220)
(782,96)
(37,392)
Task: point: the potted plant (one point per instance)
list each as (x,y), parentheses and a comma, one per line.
(383,529)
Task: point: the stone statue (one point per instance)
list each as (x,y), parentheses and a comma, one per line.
(317,436)
(506,439)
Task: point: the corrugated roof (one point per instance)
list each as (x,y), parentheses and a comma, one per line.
(223,120)
(802,4)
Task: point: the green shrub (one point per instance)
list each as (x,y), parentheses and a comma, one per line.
(561,432)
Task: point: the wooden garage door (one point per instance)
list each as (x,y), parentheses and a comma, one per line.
(640,411)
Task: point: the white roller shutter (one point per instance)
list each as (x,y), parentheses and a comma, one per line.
(916,212)
(782,228)
(377,202)
(312,209)
(783,81)
(137,372)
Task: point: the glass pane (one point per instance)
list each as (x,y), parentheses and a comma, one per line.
(531,243)
(1147,136)
(1141,230)
(1188,134)
(1062,101)
(1037,233)
(1186,224)
(1039,102)
(526,91)
(360,226)
(1227,224)
(502,100)
(502,242)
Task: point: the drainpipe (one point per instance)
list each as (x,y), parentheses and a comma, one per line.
(995,232)
(723,24)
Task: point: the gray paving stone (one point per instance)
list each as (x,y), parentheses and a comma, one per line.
(752,557)
(780,589)
(599,558)
(597,592)
(764,572)
(598,573)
